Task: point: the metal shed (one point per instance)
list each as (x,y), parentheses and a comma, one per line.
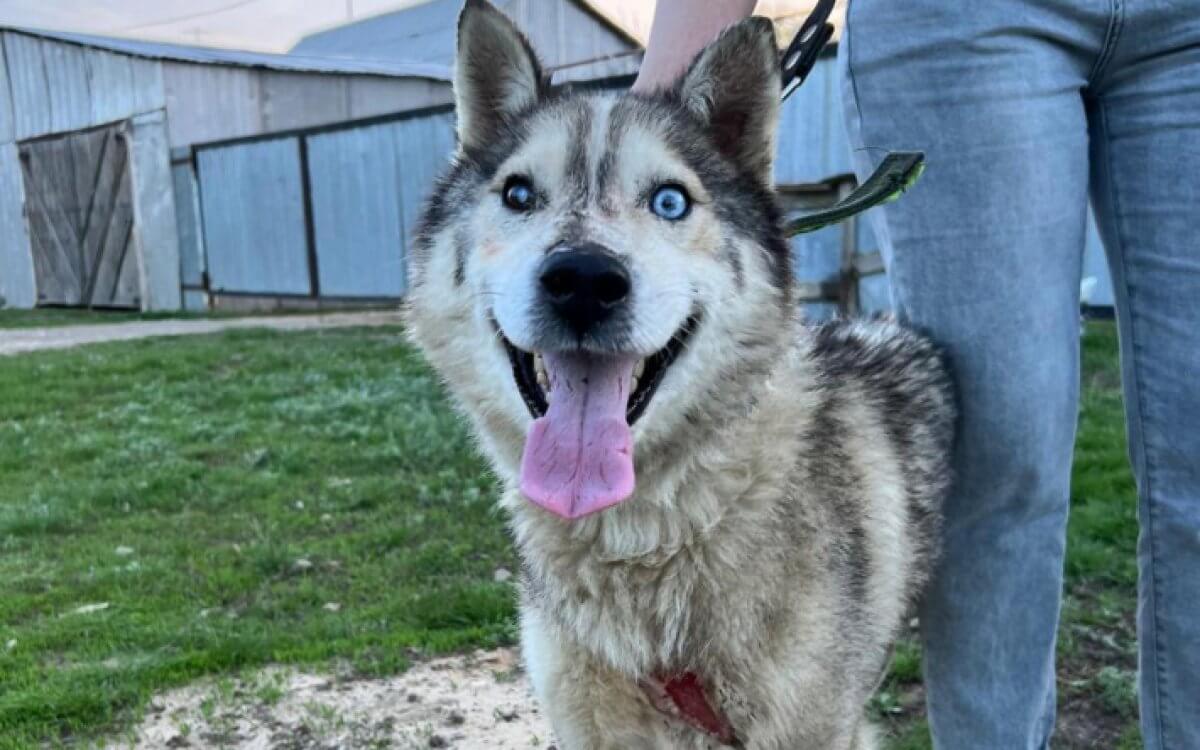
(112,151)
(157,175)
(601,41)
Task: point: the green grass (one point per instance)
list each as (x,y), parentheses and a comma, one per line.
(216,492)
(182,483)
(53,317)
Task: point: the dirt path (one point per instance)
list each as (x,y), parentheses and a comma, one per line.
(477,701)
(18,340)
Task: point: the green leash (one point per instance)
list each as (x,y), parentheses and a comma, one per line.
(898,171)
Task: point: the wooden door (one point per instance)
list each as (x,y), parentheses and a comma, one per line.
(79,202)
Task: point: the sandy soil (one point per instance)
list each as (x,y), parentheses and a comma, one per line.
(477,701)
(17,340)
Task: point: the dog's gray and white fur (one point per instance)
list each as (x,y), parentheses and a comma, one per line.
(788,477)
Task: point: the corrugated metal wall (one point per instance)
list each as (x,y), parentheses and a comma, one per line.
(252,202)
(52,86)
(366,185)
(17,285)
(57,87)
(356,203)
(187,218)
(211,103)
(156,232)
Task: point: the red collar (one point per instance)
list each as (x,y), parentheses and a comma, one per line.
(683,697)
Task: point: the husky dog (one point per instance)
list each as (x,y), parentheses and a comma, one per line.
(722,515)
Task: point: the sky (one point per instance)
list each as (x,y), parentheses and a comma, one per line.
(259,25)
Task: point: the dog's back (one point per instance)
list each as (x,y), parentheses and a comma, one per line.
(899,380)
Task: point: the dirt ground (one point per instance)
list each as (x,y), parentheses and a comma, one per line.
(477,701)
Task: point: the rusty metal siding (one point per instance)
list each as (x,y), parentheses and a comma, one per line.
(252,204)
(17,285)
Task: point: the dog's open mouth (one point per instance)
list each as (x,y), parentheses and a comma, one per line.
(529,371)
(579,452)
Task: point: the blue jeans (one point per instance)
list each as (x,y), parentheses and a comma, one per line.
(1023,106)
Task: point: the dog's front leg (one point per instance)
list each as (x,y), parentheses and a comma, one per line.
(590,706)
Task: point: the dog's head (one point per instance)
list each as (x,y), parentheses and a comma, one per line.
(593,266)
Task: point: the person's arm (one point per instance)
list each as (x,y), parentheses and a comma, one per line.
(680,30)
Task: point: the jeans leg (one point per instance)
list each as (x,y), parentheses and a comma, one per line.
(1145,118)
(984,253)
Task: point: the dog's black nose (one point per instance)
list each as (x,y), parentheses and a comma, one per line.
(584,285)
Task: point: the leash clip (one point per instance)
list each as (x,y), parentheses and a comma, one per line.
(802,54)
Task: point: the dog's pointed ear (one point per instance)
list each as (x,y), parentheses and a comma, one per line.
(496,73)
(734,87)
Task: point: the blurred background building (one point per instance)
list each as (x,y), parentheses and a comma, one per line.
(204,154)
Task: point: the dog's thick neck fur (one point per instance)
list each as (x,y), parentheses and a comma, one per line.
(713,500)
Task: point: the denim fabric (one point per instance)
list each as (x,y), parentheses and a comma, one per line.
(1024,107)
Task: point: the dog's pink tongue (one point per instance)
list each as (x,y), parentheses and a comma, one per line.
(579,456)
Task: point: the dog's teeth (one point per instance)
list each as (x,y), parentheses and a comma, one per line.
(639,370)
(633,384)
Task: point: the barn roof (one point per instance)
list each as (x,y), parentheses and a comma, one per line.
(633,17)
(566,32)
(426,31)
(299,63)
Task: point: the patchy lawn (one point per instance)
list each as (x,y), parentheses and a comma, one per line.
(204,506)
(176,508)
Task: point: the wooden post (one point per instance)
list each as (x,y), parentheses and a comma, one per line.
(847,270)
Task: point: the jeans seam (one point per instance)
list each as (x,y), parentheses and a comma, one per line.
(893,270)
(850,64)
(1155,583)
(1116,23)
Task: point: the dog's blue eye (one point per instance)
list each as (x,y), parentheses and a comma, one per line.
(518,194)
(670,202)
